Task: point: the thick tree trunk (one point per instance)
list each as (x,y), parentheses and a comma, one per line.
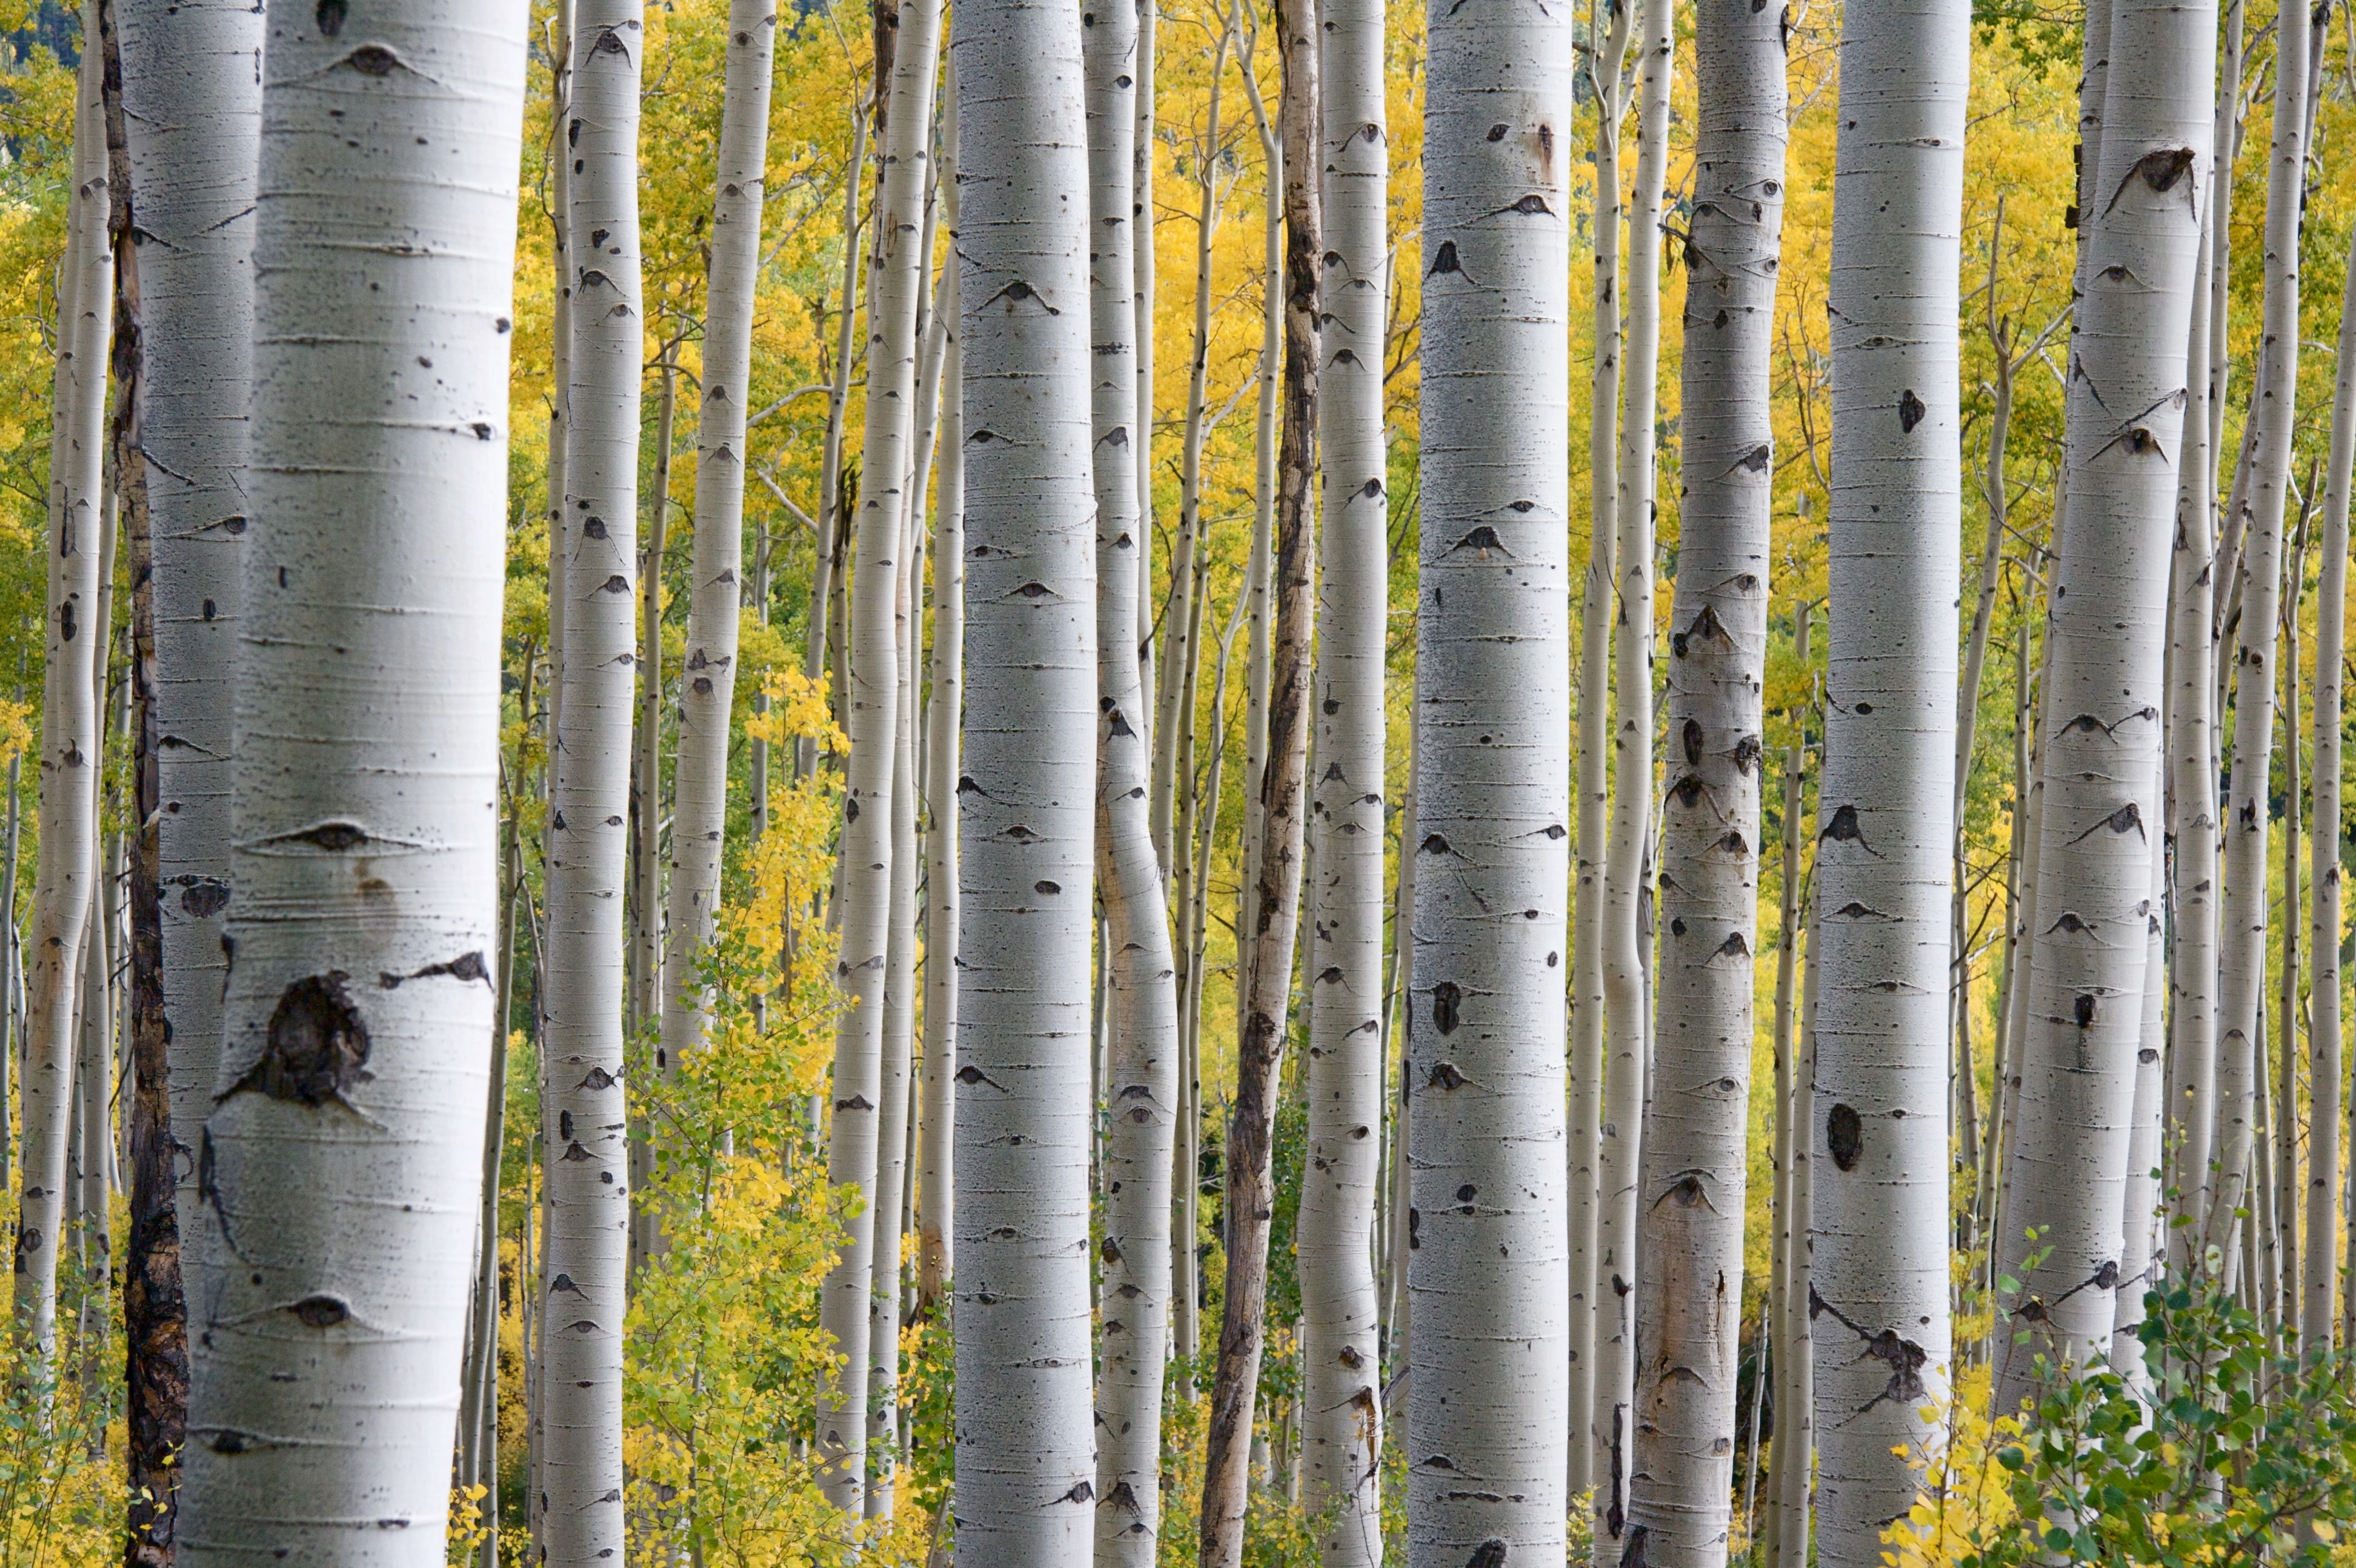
(1877,1297)
(1273,895)
(1141,1080)
(1628,862)
(73,743)
(1025,1455)
(365,787)
(1587,999)
(1336,1241)
(1695,1160)
(2078,1058)
(583,1276)
(1489,1266)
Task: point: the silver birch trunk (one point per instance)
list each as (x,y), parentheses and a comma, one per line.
(2068,1162)
(72,742)
(1695,1161)
(2324,1048)
(193,110)
(365,789)
(584,1275)
(856,1133)
(707,681)
(1594,782)
(1140,1075)
(1489,1265)
(2243,920)
(1628,862)
(1026,1455)
(1336,1241)
(1877,1296)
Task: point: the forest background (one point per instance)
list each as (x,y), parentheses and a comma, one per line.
(726,1357)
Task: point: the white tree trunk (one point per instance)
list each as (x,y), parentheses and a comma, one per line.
(192,106)
(2068,1162)
(707,681)
(366,783)
(1628,862)
(2147,1149)
(1335,1241)
(1695,1157)
(1795,1396)
(1026,1457)
(1489,1269)
(856,1132)
(1877,1299)
(72,723)
(1140,1087)
(585,1273)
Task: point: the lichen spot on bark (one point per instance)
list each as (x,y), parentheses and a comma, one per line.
(318,1045)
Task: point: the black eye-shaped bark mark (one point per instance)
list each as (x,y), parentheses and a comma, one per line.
(2160,169)
(2070,922)
(467,966)
(1489,1553)
(204,897)
(374,59)
(1445,259)
(1081,1493)
(1747,752)
(1687,791)
(1843,829)
(1484,539)
(1444,1075)
(2126,817)
(1015,294)
(2081,1010)
(970,1076)
(1910,410)
(331,17)
(1414,1230)
(1693,736)
(1905,1359)
(1733,949)
(1447,1001)
(1853,910)
(1436,844)
(1845,1135)
(1705,628)
(321,1311)
(316,1046)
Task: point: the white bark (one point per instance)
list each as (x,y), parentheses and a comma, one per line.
(1489,1269)
(1695,1162)
(1594,782)
(1628,862)
(2146,1150)
(366,783)
(72,723)
(192,107)
(1877,1297)
(585,1273)
(856,1133)
(1025,1455)
(1787,1328)
(1334,1243)
(1795,1397)
(1140,1084)
(2068,1161)
(707,681)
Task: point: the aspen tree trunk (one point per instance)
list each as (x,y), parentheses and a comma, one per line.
(1695,1159)
(2325,1050)
(1336,1241)
(856,1132)
(1605,67)
(71,722)
(193,112)
(1877,1297)
(707,682)
(2140,1200)
(2243,918)
(366,786)
(585,1272)
(1795,1352)
(1790,1129)
(1140,1084)
(2068,1156)
(2192,778)
(1258,570)
(2281,1225)
(1273,897)
(1143,261)
(824,579)
(1488,1268)
(935,1197)
(1627,867)
(1025,1455)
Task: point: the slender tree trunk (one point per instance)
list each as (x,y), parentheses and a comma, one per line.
(1336,1241)
(1488,1267)
(2140,1201)
(935,1197)
(1789,1131)
(585,1266)
(1259,561)
(336,1098)
(1266,944)
(1628,863)
(1025,1455)
(1141,261)
(824,583)
(1795,1357)
(2242,937)
(2070,1150)
(1605,67)
(1877,1300)
(2283,1222)
(1141,1073)
(71,722)
(1695,1162)
(2325,1050)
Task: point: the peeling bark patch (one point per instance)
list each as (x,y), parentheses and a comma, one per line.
(1845,1135)
(1446,1004)
(318,1047)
